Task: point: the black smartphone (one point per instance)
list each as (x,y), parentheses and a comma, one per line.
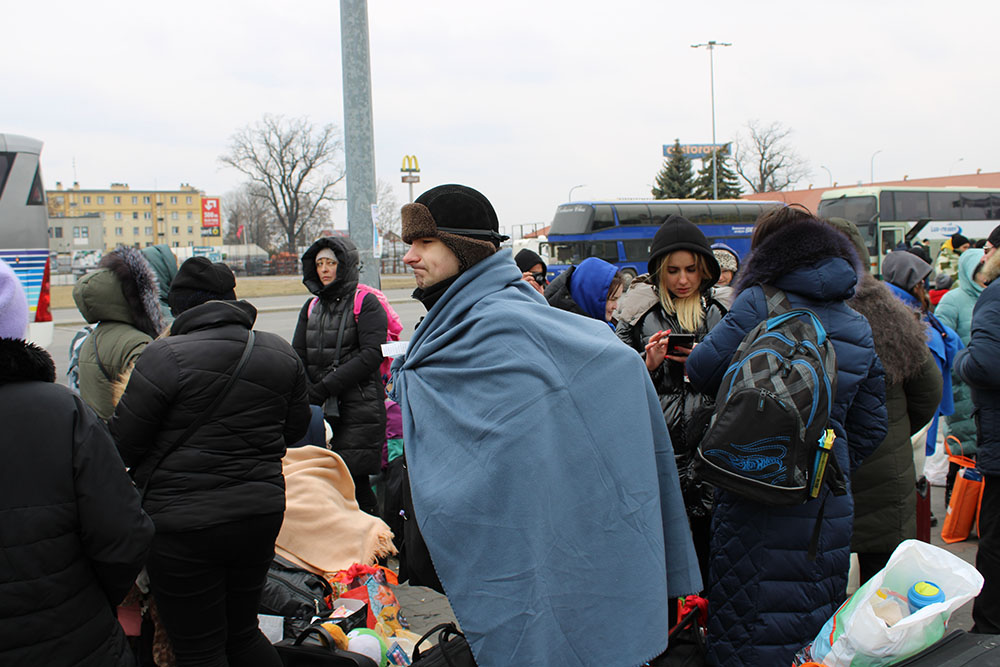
(679,340)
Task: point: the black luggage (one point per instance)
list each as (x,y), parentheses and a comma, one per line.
(297,653)
(958,649)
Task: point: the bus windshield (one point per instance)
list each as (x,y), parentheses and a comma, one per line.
(859,210)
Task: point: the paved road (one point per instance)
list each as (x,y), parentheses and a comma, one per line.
(422,607)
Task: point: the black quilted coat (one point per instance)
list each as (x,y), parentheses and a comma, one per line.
(230,469)
(72,534)
(359,432)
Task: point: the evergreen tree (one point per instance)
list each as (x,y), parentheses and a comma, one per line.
(729,185)
(676,179)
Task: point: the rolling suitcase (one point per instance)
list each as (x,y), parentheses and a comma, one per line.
(958,649)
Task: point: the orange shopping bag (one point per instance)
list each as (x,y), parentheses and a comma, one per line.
(963,510)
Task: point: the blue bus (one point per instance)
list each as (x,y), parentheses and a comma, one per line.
(24,236)
(620,232)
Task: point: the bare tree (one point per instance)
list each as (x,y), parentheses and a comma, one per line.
(247,208)
(765,160)
(292,165)
(388,210)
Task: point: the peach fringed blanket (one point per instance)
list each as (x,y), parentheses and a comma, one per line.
(324,531)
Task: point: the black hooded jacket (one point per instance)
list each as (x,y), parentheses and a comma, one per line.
(359,432)
(73,536)
(230,468)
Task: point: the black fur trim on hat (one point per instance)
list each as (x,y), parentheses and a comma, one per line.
(21,361)
(452,209)
(139,286)
(795,244)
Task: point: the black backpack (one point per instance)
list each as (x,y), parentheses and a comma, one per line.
(768,439)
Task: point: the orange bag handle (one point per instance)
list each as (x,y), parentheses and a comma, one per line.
(960,459)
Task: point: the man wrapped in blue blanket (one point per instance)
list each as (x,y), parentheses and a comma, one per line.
(541,470)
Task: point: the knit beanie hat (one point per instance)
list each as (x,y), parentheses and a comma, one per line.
(994,239)
(527,258)
(943,281)
(677,233)
(728,261)
(904,269)
(920,252)
(957,241)
(13,304)
(462,218)
(199,280)
(326,253)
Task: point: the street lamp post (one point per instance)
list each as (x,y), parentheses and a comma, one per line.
(828,174)
(570,198)
(952,167)
(710,45)
(871,173)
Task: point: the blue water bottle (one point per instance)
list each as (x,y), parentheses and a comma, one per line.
(922,594)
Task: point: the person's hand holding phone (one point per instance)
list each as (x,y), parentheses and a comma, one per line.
(679,346)
(656,349)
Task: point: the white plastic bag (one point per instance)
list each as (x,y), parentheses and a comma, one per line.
(855,637)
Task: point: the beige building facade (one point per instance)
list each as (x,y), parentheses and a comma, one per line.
(140,218)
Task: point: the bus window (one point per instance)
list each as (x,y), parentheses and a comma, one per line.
(606,250)
(572,219)
(911,205)
(633,214)
(6,162)
(36,196)
(564,253)
(699,214)
(886,207)
(660,212)
(856,209)
(946,206)
(603,217)
(749,213)
(725,213)
(975,206)
(891,238)
(636,250)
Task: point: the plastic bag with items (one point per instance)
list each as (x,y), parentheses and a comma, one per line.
(900,611)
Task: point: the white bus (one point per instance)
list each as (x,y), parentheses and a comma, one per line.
(24,236)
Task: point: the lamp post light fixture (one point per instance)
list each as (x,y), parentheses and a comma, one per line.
(955,164)
(570,197)
(710,45)
(871,173)
(828,174)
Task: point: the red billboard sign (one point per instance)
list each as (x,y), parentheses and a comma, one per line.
(210,215)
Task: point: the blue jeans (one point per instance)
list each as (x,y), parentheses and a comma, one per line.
(207,585)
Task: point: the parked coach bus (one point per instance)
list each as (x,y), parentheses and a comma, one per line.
(886,216)
(620,232)
(24,237)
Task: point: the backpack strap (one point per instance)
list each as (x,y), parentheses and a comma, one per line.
(777,301)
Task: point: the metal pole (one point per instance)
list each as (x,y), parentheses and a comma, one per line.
(827,173)
(359,143)
(710,45)
(570,197)
(411,192)
(871,174)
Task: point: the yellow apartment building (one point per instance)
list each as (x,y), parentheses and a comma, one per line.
(178,218)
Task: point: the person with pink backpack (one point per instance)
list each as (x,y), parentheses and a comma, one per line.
(338,336)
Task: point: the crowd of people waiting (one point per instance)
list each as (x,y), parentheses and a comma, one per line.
(549,428)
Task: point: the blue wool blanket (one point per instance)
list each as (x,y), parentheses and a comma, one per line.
(543,477)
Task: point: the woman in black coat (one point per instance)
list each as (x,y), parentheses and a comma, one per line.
(682,270)
(330,270)
(218,498)
(74,536)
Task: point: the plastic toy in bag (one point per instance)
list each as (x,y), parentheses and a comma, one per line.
(857,636)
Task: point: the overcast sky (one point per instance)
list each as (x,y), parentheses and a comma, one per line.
(521,100)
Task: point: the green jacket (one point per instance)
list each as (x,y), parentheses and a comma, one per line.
(955,311)
(121,298)
(883,486)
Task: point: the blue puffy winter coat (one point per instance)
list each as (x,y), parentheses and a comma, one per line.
(766,598)
(977,366)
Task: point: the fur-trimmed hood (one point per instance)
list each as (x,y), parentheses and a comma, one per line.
(991,270)
(896,329)
(21,361)
(810,258)
(348,267)
(123,289)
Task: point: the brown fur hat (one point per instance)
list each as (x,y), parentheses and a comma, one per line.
(461,217)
